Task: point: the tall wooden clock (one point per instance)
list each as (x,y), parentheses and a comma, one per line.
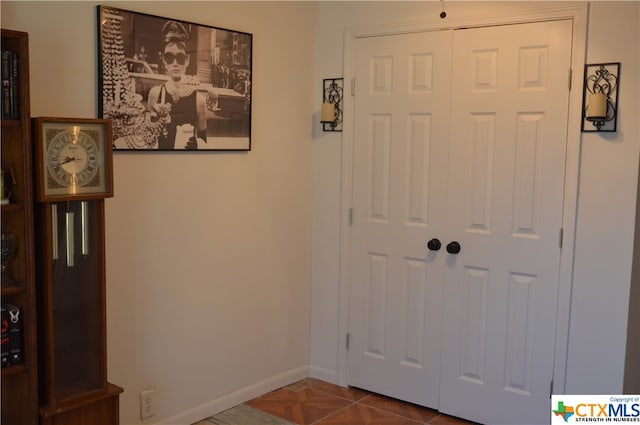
(73,176)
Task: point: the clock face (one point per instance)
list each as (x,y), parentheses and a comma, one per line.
(74,158)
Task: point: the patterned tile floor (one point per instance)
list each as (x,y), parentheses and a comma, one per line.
(314,402)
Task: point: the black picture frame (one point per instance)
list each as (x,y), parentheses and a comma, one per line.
(216,80)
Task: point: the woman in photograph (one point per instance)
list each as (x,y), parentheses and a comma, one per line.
(179,94)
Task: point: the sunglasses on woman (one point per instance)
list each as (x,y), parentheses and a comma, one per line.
(170,57)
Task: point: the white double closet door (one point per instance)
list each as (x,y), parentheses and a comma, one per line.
(459,136)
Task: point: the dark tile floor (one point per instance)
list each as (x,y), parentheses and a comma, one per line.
(314,402)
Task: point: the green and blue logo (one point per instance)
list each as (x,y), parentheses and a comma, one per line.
(595,408)
(565,412)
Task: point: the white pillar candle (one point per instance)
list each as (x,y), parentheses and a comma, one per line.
(597,106)
(328,112)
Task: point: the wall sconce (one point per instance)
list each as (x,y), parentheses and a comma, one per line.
(331,114)
(600,98)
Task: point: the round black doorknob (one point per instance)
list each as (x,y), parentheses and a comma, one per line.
(434,245)
(453,247)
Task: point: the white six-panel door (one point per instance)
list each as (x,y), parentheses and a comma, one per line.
(468,149)
(506,189)
(400,176)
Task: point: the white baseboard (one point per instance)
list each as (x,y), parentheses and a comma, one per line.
(237,397)
(323,374)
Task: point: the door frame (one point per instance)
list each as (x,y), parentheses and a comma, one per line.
(578,13)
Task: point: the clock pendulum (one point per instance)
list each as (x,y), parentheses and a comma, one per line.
(82,208)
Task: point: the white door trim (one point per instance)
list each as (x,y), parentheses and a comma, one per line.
(578,13)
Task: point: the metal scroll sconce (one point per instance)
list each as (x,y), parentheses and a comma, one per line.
(332,94)
(600,98)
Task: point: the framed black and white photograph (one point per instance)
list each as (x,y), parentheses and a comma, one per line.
(171,85)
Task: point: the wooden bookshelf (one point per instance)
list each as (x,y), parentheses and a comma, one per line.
(20,380)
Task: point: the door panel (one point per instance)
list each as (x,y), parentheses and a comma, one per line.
(402,126)
(507,154)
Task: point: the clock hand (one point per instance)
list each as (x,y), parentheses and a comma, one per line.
(67,159)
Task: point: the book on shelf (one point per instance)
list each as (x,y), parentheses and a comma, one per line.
(10,78)
(6,84)
(11,342)
(4,337)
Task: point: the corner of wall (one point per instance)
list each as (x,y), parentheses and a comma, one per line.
(631,383)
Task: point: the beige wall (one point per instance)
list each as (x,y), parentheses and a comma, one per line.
(208,254)
(632,369)
(606,213)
